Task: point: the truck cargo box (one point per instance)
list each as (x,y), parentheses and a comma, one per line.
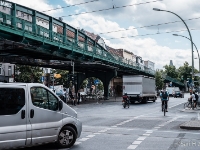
(139,88)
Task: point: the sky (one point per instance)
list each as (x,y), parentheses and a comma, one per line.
(146,33)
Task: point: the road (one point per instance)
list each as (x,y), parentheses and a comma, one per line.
(109,126)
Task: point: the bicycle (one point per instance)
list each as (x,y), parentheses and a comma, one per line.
(189,104)
(164,107)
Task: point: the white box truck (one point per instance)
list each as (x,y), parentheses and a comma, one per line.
(139,88)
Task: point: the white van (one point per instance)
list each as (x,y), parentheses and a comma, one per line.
(31,114)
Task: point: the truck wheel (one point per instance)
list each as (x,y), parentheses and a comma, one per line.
(66,137)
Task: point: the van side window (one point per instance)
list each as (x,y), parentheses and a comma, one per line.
(43,99)
(39,97)
(53,102)
(11,100)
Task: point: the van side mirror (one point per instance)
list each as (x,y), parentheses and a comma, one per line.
(60,105)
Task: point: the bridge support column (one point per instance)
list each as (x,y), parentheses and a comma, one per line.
(106,78)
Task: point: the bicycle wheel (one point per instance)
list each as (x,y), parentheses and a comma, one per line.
(192,105)
(187,105)
(164,110)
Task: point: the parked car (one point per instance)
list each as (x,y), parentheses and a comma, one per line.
(178,94)
(31,114)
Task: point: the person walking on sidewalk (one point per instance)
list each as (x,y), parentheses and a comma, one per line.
(164,95)
(194,98)
(72,97)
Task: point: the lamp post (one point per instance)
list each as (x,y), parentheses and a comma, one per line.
(193,44)
(156,9)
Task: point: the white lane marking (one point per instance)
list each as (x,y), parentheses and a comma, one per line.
(89,136)
(141,138)
(132,147)
(146,134)
(102,130)
(137,142)
(156,127)
(149,132)
(176,105)
(84,139)
(97,133)
(77,143)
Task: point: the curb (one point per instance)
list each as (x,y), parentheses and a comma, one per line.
(191,125)
(189,111)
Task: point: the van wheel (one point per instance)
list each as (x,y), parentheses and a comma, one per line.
(66,137)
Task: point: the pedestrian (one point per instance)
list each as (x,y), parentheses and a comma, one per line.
(72,97)
(64,95)
(79,97)
(194,99)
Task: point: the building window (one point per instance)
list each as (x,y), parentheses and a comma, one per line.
(4,8)
(19,25)
(22,14)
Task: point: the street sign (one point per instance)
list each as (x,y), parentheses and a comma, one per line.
(96,81)
(57,76)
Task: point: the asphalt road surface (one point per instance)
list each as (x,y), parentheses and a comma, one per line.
(109,126)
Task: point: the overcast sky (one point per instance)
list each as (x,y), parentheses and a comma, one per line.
(159,48)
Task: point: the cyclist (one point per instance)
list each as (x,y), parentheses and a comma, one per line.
(164,95)
(194,98)
(125,98)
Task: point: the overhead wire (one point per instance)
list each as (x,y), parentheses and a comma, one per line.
(111,8)
(149,26)
(71,5)
(149,34)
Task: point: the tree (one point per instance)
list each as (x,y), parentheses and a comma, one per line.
(171,71)
(28,73)
(185,72)
(159,80)
(63,80)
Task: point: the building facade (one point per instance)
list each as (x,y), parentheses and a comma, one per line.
(7,72)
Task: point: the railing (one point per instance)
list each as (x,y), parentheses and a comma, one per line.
(27,28)
(172,80)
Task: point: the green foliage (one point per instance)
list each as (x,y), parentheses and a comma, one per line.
(185,72)
(28,73)
(63,80)
(159,80)
(171,71)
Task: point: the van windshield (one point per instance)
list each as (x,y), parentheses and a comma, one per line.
(11,100)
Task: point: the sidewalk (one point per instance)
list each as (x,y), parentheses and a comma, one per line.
(193,124)
(94,101)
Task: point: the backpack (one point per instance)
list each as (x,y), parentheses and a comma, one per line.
(164,95)
(196,97)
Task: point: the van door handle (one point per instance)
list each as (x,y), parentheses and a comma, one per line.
(32,113)
(23,114)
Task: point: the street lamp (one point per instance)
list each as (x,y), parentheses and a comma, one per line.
(193,44)
(156,9)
